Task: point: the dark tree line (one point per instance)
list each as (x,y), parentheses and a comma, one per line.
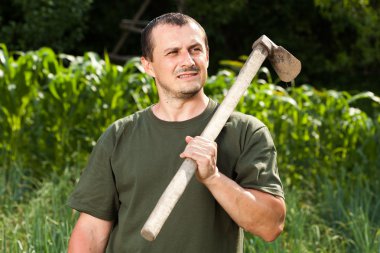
(338,42)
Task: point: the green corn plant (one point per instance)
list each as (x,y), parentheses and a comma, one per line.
(51,100)
(18,86)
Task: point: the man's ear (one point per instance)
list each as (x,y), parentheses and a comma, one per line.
(147,65)
(207,55)
(208,61)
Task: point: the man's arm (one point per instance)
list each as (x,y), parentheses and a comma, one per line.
(90,235)
(259,213)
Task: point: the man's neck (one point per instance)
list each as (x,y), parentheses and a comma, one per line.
(180,109)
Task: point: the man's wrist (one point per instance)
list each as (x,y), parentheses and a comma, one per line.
(212,179)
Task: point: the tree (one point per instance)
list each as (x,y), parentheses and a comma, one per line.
(338,42)
(59,24)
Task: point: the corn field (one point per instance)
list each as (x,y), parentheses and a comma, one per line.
(53,107)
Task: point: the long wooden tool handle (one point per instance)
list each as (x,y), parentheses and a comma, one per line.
(184,174)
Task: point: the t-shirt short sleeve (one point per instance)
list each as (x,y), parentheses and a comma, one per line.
(95,193)
(256,167)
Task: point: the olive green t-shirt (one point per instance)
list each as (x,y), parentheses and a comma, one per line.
(136,158)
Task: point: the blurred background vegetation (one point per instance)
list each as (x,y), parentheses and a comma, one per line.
(338,42)
(59,90)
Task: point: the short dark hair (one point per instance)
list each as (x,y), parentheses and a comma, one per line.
(172,18)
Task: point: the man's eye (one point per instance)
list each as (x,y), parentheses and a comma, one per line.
(172,52)
(197,50)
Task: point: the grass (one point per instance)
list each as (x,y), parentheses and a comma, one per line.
(40,221)
(326,222)
(330,219)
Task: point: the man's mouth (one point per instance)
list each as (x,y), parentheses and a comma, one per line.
(187,75)
(187,72)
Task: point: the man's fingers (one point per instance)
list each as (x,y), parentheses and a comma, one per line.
(199,141)
(200,145)
(188,139)
(196,152)
(203,152)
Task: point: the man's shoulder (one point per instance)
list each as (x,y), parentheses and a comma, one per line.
(131,119)
(239,119)
(118,127)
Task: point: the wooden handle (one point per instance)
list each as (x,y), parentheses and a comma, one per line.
(181,179)
(169,199)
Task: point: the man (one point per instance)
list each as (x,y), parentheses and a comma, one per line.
(236,185)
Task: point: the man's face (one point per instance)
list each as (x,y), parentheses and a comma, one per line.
(180,60)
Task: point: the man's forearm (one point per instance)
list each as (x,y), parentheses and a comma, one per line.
(81,242)
(90,235)
(259,213)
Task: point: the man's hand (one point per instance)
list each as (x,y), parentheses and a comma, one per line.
(204,153)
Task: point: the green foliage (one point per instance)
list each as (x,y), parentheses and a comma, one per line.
(59,24)
(360,29)
(53,107)
(50,101)
(322,124)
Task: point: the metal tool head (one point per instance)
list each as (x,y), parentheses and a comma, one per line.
(284,63)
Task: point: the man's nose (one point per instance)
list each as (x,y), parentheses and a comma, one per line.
(187,59)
